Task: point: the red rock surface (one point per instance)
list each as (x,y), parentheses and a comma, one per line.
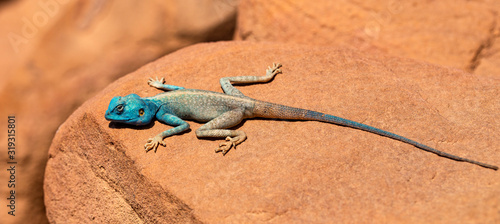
(460,33)
(289,172)
(56,54)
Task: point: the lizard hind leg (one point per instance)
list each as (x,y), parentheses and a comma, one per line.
(217,128)
(227,82)
(231,142)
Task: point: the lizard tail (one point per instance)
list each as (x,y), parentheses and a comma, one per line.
(277,111)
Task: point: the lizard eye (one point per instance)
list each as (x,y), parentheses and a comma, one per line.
(119,108)
(141,112)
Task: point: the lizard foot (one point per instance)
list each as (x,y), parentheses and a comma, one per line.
(156,83)
(226,146)
(153,143)
(275,69)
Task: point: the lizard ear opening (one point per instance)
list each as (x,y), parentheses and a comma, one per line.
(141,112)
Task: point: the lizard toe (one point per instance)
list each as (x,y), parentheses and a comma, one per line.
(224,147)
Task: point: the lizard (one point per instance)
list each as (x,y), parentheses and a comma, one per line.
(221,111)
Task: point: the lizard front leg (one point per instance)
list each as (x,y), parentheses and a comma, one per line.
(180,126)
(216,128)
(159,84)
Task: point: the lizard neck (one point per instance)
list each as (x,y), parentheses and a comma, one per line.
(152,106)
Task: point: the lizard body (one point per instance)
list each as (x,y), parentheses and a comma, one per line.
(221,111)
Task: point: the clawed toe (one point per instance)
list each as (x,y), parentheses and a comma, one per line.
(275,69)
(157,82)
(226,146)
(153,143)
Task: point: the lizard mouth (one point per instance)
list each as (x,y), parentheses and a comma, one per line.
(119,120)
(132,121)
(110,117)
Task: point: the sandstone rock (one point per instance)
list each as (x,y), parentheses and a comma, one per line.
(288,172)
(449,32)
(55,54)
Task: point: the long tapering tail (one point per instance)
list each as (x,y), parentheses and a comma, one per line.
(277,111)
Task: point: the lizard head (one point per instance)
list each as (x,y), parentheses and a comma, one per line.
(130,109)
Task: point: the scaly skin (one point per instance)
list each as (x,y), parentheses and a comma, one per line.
(221,111)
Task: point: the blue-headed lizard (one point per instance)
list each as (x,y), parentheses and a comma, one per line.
(222,111)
